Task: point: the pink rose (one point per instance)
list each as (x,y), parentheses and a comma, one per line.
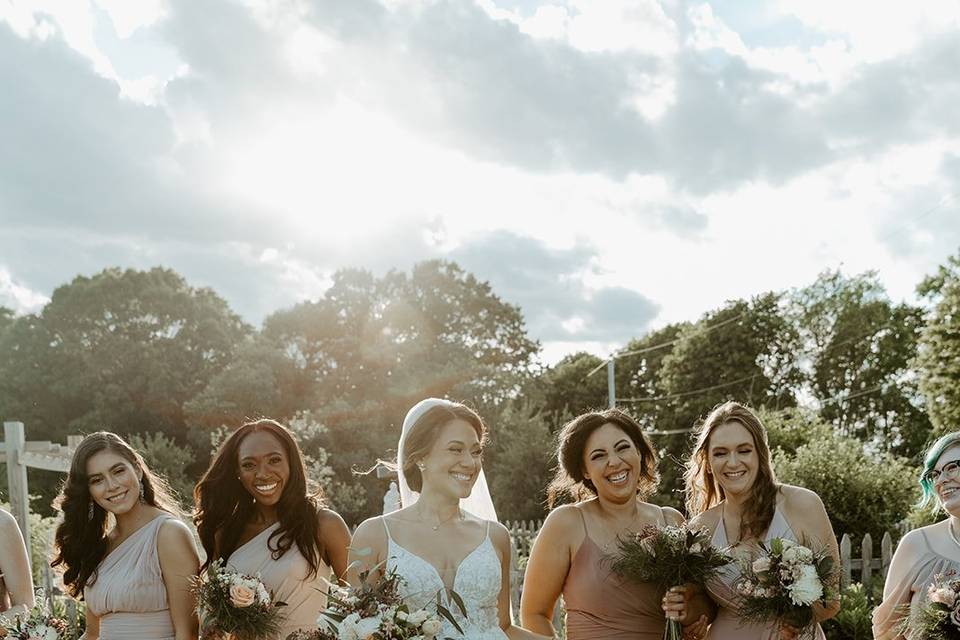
(242,596)
(942,595)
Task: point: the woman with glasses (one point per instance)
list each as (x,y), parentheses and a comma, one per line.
(926,552)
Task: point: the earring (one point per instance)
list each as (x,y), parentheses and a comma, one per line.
(90,511)
(421,466)
(142,497)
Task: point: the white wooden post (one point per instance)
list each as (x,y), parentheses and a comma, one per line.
(15,443)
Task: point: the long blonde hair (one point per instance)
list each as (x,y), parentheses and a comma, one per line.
(702,489)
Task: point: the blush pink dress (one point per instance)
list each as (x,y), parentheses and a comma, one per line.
(601,604)
(287,578)
(727,625)
(910,593)
(129,595)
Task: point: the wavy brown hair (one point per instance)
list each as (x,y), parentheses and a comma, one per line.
(224,507)
(702,489)
(80,542)
(569,480)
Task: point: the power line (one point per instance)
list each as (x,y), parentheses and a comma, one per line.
(690,393)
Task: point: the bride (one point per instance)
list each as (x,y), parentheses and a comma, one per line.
(445,539)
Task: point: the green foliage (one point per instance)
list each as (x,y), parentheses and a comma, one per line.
(854,621)
(791,428)
(519,462)
(165,457)
(938,354)
(862,492)
(860,345)
(568,392)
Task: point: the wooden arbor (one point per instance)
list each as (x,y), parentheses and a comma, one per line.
(18,454)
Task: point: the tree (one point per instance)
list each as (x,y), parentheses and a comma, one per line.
(6,318)
(567,390)
(122,350)
(859,346)
(938,353)
(168,459)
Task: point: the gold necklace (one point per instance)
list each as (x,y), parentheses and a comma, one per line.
(456,514)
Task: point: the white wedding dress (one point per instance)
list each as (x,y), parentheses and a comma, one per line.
(477,582)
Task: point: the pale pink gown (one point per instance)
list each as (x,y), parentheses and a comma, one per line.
(910,593)
(727,625)
(128,595)
(286,578)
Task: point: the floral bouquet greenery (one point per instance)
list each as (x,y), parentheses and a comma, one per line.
(36,624)
(235,606)
(376,611)
(784,583)
(939,617)
(667,557)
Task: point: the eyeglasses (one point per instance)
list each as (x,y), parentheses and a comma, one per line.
(949,471)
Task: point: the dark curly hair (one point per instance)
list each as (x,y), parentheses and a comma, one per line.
(80,541)
(224,506)
(569,480)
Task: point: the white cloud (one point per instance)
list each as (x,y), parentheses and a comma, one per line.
(22,299)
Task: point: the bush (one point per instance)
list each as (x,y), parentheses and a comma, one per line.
(854,621)
(862,493)
(519,463)
(168,459)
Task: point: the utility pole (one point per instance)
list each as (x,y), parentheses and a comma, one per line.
(611,385)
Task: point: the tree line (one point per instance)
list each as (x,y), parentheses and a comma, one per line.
(851,384)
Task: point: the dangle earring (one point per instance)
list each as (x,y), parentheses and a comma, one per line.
(90,510)
(142,498)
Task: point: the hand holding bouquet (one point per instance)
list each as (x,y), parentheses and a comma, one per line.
(236,606)
(376,611)
(667,557)
(939,618)
(784,583)
(36,624)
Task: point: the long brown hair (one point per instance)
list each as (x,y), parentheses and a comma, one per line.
(424,432)
(703,491)
(569,480)
(224,506)
(81,540)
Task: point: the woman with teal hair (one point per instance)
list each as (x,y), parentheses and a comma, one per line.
(926,552)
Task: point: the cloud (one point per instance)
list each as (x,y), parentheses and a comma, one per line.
(18,297)
(551,287)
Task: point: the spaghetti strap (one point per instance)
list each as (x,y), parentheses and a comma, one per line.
(663,518)
(387,529)
(583,520)
(488,529)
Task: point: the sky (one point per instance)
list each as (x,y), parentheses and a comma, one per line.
(610,166)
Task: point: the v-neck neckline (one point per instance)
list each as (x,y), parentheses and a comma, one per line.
(436,572)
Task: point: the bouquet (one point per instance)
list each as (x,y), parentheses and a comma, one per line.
(234,605)
(376,611)
(669,556)
(784,583)
(939,618)
(36,624)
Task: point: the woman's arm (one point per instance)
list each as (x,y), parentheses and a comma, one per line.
(806,509)
(897,590)
(179,563)
(367,549)
(15,566)
(335,536)
(686,603)
(92,626)
(501,542)
(547,570)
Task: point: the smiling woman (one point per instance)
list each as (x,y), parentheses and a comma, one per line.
(256,513)
(926,552)
(135,577)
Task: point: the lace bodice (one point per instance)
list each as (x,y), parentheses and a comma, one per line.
(477,582)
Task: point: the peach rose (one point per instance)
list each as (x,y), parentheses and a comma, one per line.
(242,596)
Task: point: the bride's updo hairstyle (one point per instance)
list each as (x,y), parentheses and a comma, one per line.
(421,437)
(570,482)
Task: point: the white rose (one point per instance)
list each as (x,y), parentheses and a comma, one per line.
(942,595)
(797,555)
(696,548)
(417,617)
(262,594)
(807,589)
(761,564)
(367,627)
(347,629)
(431,627)
(402,616)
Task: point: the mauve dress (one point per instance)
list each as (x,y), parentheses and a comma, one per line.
(129,595)
(286,578)
(601,604)
(910,592)
(727,625)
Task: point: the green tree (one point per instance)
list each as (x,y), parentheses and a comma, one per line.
(170,460)
(6,318)
(860,346)
(568,391)
(938,356)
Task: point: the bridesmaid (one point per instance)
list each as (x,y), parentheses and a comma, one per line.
(16,584)
(732,491)
(607,466)
(135,577)
(928,551)
(254,512)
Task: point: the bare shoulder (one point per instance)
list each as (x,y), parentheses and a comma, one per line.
(565,518)
(799,499)
(672,517)
(916,542)
(371,532)
(175,536)
(7,522)
(330,520)
(708,520)
(499,535)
